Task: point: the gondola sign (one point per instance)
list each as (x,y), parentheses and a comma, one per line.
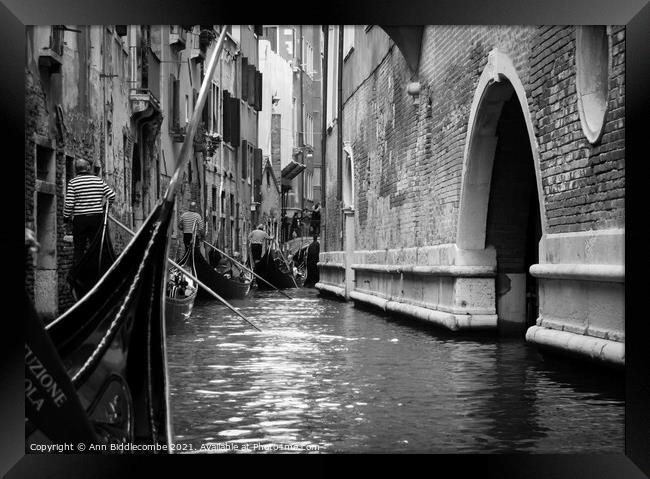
(51,402)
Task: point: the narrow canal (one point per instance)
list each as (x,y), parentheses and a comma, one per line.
(325,374)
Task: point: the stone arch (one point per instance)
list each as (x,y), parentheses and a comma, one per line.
(348,177)
(490,95)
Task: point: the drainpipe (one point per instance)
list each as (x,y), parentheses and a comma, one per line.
(339,131)
(323,174)
(302,125)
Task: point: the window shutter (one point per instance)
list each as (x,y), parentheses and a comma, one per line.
(215,113)
(176,103)
(257,175)
(251,85)
(235,132)
(226,116)
(258,91)
(206,110)
(244,78)
(244,159)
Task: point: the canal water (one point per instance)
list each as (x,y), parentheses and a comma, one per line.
(326,376)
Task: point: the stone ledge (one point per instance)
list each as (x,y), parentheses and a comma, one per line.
(331,288)
(452,270)
(596,349)
(453,322)
(429,306)
(585,272)
(557,324)
(331,265)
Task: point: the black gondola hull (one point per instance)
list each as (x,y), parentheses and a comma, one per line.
(267,269)
(217,282)
(112,344)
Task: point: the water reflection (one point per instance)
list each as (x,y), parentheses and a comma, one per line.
(324,373)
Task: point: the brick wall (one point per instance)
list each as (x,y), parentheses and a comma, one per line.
(584,184)
(409,158)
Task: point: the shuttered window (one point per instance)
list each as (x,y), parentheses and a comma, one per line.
(257,175)
(251,85)
(235,132)
(244,78)
(175,103)
(226,116)
(244,159)
(205,114)
(258,91)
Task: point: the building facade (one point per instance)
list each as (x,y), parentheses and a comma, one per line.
(121,96)
(475,179)
(294,54)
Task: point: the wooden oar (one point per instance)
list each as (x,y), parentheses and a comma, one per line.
(249,270)
(191,276)
(101,243)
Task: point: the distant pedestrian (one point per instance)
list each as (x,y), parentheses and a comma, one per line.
(85,197)
(295,225)
(312,263)
(257,238)
(186,225)
(315,220)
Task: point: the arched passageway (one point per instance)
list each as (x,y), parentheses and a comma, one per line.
(500,211)
(513,225)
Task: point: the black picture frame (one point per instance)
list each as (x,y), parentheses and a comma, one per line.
(635,14)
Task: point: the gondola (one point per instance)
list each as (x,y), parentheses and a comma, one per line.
(106,356)
(97,374)
(237,287)
(181,289)
(274,271)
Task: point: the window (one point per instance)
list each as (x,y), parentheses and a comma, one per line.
(232,205)
(308,57)
(214,198)
(295,122)
(317,173)
(304,125)
(214,108)
(332,67)
(187,108)
(348,40)
(244,159)
(309,129)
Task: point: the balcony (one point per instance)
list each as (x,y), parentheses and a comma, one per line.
(178,37)
(51,52)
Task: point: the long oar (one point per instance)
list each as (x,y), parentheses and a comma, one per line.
(101,243)
(249,270)
(191,276)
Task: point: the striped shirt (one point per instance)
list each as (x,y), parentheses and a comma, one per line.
(85,194)
(186,222)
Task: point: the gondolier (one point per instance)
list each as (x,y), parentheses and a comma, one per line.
(256,239)
(186,224)
(85,197)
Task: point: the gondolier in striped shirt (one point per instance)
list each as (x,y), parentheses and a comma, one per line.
(85,197)
(186,224)
(257,238)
